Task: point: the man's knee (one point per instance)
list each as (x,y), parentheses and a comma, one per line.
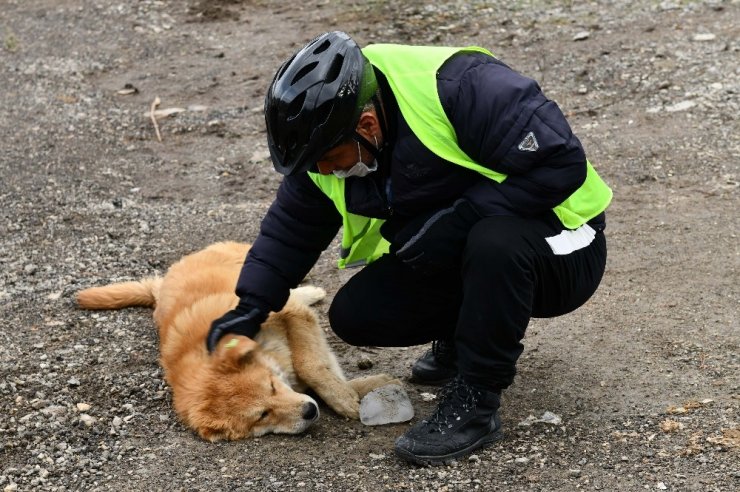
(344,319)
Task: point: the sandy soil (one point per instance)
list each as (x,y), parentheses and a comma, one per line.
(644,377)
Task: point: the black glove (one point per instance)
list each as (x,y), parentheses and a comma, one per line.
(244,320)
(435,245)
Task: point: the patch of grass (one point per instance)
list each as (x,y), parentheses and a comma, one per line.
(11,42)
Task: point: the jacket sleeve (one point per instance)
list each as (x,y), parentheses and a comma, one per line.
(505,123)
(298,226)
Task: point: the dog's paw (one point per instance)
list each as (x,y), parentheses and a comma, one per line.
(345,401)
(307,294)
(366,384)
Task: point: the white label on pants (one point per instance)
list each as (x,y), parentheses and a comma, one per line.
(568,241)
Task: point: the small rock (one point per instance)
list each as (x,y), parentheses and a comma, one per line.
(548,418)
(521,461)
(83,407)
(54,410)
(581,36)
(73,381)
(574,472)
(364,364)
(259,156)
(704,37)
(385,405)
(661,486)
(86,419)
(669,6)
(680,106)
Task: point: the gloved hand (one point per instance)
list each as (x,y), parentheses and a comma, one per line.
(244,320)
(435,245)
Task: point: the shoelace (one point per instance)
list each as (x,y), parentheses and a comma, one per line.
(443,351)
(448,409)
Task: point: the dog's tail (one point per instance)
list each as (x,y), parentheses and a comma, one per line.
(122,294)
(307,294)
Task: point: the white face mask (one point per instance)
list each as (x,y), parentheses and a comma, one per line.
(360,169)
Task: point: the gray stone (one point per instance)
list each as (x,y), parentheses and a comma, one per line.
(386,405)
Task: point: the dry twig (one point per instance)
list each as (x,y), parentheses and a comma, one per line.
(155,103)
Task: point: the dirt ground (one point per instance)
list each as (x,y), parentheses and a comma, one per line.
(643,379)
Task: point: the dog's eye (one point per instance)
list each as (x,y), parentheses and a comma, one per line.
(264,414)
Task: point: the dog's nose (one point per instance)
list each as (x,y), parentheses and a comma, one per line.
(310,411)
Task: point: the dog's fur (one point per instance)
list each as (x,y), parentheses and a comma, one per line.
(245,388)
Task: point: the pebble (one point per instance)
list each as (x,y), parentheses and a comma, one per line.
(680,106)
(547,418)
(704,37)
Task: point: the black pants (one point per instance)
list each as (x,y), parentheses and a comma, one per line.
(508,274)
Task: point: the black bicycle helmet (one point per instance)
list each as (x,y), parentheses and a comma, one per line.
(315,101)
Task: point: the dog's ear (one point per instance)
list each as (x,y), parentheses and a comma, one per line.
(234,352)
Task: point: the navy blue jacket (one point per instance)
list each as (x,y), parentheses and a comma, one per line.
(492,109)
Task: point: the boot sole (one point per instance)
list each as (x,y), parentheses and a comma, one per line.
(448,459)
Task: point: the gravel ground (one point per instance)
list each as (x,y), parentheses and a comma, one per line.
(639,389)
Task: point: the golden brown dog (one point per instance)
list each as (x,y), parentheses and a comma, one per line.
(246,388)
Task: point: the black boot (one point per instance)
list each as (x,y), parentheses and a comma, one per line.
(465,419)
(436,366)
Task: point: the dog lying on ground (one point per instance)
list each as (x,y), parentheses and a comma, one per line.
(245,388)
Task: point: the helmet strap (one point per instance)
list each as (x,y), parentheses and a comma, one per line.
(374,151)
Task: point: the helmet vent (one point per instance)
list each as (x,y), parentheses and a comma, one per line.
(335,69)
(295,106)
(323,111)
(284,68)
(322,47)
(303,72)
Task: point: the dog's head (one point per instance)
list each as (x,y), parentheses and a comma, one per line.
(240,393)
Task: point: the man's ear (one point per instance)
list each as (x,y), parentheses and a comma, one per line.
(368,124)
(234,351)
